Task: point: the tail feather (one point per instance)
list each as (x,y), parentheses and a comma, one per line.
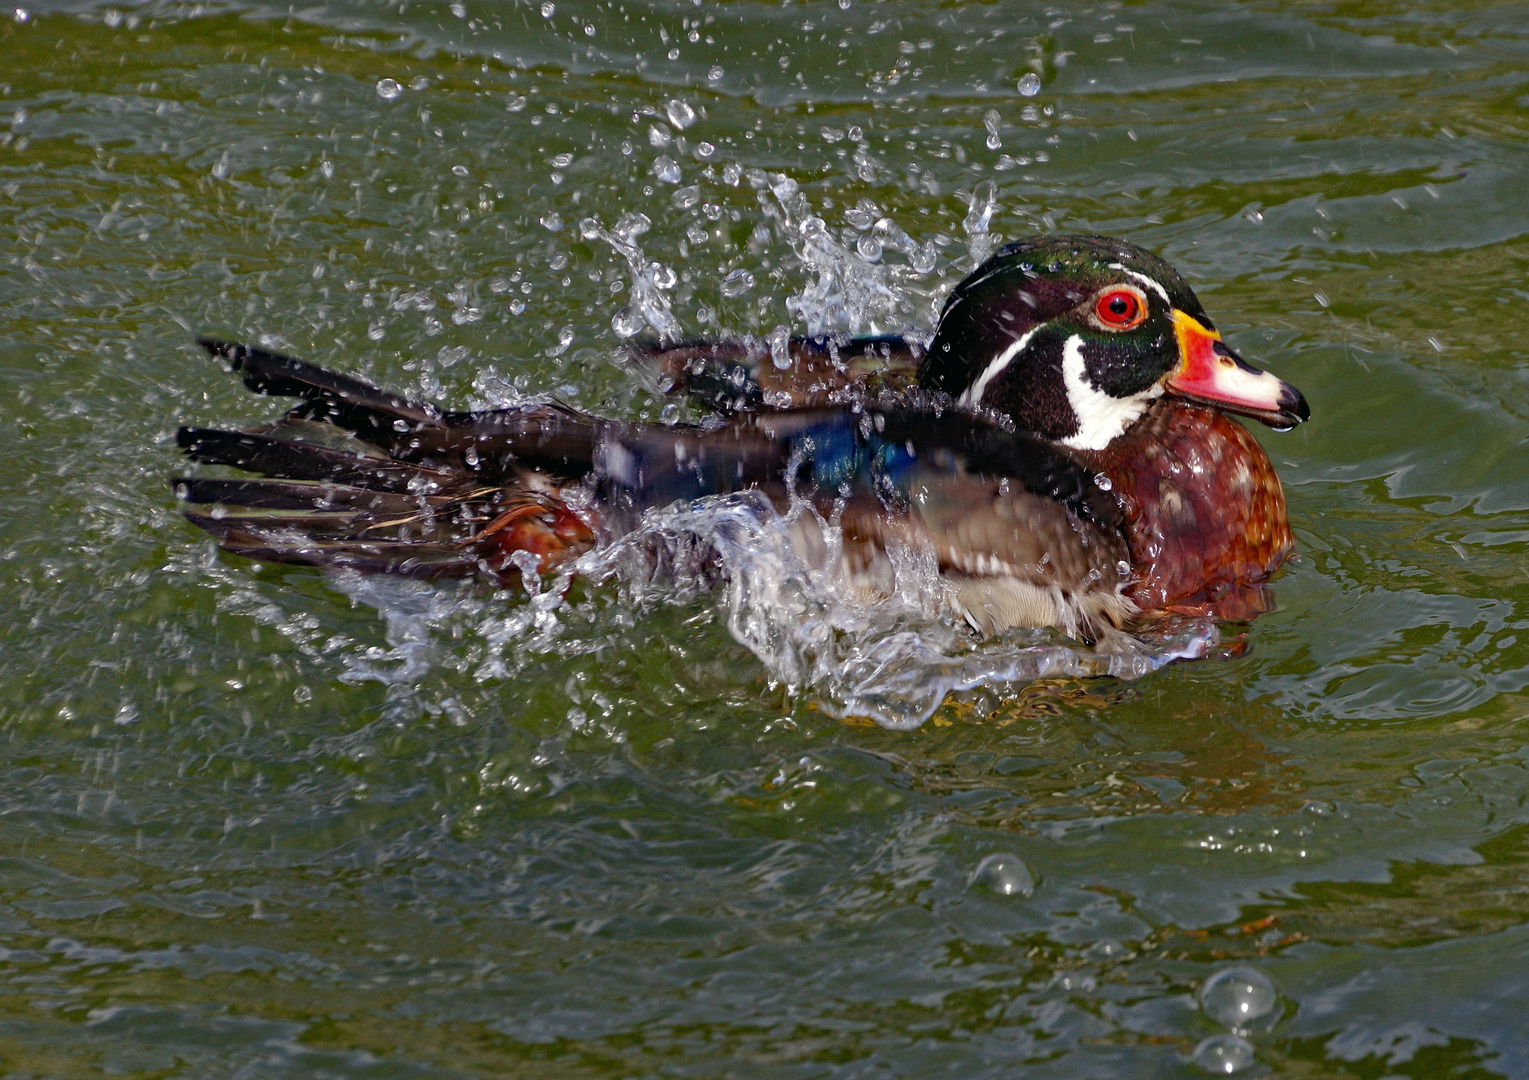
(407,559)
(358,477)
(343,400)
(298,495)
(288,460)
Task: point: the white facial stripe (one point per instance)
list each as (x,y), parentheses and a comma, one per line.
(1149,283)
(1101,418)
(973,395)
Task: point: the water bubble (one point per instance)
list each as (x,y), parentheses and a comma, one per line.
(1005,874)
(780,347)
(680,114)
(1238,997)
(869,247)
(1029,84)
(666,169)
(1224,1054)
(737,283)
(388,89)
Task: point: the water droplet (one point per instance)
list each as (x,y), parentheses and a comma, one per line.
(737,283)
(680,114)
(630,226)
(1238,997)
(666,170)
(704,150)
(1321,298)
(697,234)
(715,74)
(517,306)
(564,339)
(1005,874)
(1103,482)
(924,258)
(627,322)
(548,10)
(1029,84)
(1224,1054)
(388,89)
(551,222)
(21,15)
(780,347)
(686,197)
(869,247)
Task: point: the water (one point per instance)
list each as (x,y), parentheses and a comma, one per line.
(261,822)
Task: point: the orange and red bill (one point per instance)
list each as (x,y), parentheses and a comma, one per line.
(1211,374)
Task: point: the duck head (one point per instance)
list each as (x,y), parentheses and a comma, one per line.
(1074,336)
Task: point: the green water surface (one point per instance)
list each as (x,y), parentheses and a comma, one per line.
(258,823)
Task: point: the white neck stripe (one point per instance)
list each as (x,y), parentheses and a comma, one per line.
(973,395)
(1101,417)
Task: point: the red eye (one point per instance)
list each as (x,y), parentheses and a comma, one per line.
(1120,309)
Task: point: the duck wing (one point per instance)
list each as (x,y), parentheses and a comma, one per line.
(737,375)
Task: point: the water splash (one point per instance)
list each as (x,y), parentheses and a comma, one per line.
(981,207)
(650,279)
(890,650)
(852,288)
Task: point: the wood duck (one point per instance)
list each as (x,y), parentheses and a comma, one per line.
(1060,446)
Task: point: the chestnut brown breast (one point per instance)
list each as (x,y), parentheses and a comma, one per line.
(1205,509)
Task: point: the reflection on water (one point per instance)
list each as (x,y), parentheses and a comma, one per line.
(258,821)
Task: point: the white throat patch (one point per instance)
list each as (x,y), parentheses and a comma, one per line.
(1101,418)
